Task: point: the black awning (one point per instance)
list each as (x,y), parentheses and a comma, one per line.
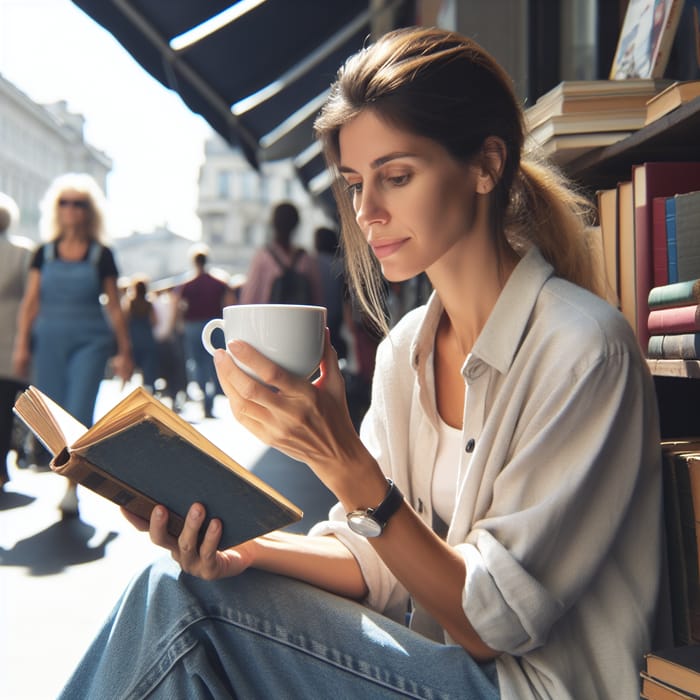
(259,79)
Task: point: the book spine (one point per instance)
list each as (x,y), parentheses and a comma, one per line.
(687,238)
(684,346)
(676,319)
(79,469)
(659,241)
(672,250)
(678,294)
(684,482)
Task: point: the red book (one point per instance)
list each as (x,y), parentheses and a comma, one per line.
(659,253)
(677,319)
(654,180)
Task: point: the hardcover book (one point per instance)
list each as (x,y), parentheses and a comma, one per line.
(677,294)
(675,319)
(141,454)
(678,667)
(671,98)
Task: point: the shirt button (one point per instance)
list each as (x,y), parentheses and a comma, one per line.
(470,445)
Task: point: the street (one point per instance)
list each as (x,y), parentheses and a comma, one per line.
(60,578)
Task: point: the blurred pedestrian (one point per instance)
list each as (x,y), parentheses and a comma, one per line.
(169,335)
(202,299)
(330,268)
(62,329)
(141,319)
(267,282)
(14,266)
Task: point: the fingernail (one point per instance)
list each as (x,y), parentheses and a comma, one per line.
(159,513)
(235,346)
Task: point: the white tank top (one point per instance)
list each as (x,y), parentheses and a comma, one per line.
(444,485)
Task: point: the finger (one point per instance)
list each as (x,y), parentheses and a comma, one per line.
(270,373)
(188,541)
(158,529)
(209,547)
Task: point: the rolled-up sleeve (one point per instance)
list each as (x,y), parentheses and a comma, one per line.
(579,455)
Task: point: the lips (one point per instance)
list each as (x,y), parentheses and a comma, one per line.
(383,249)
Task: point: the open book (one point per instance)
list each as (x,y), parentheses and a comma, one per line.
(141,454)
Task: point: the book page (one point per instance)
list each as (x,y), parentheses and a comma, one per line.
(52,424)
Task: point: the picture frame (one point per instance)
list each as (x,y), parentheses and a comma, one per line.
(645,41)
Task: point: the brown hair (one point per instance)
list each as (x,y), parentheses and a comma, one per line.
(444,86)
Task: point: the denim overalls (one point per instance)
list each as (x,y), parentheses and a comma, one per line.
(71,338)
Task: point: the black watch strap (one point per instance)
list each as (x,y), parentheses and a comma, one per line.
(391,503)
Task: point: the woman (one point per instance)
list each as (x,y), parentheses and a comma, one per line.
(514,411)
(141,320)
(61,326)
(269,262)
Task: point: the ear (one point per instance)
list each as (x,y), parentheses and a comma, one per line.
(491,163)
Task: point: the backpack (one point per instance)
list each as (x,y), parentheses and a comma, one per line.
(292,286)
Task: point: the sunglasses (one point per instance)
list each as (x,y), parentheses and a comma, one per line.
(77,203)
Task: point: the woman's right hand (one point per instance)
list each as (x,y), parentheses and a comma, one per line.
(201,559)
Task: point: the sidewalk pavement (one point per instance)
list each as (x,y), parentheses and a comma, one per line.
(59,579)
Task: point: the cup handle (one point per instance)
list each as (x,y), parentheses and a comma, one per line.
(207,331)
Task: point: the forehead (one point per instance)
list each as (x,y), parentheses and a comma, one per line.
(368,137)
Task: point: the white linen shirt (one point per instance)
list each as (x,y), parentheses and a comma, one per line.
(558,510)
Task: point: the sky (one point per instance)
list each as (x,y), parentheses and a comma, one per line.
(51,50)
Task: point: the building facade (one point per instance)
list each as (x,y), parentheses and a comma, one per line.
(38,143)
(236,201)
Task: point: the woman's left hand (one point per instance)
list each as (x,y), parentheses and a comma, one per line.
(308,421)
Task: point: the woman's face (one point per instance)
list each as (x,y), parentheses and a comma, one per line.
(73,208)
(413,201)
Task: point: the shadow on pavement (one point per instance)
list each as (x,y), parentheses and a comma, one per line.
(11,499)
(298,483)
(63,544)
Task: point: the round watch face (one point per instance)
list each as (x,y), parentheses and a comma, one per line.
(364,524)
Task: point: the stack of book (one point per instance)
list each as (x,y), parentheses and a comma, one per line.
(674,321)
(642,246)
(672,674)
(580,115)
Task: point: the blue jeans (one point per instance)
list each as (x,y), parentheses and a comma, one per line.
(260,635)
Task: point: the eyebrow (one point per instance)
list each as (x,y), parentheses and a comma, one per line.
(378,162)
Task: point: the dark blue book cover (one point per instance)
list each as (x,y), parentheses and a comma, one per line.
(161,464)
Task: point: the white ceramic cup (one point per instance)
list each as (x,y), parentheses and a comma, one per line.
(290,335)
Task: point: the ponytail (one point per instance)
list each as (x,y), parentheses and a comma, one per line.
(545,211)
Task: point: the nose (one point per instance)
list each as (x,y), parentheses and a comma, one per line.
(370,210)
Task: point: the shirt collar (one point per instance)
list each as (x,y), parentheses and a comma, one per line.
(500,338)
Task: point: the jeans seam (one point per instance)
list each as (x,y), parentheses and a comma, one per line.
(182,642)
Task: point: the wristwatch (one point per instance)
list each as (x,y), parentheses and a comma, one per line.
(370,522)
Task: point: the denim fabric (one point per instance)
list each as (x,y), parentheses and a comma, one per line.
(264,636)
(71,338)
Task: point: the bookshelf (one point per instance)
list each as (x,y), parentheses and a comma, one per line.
(672,137)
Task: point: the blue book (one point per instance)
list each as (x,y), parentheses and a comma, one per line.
(672,248)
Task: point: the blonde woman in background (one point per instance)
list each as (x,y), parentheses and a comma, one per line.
(62,330)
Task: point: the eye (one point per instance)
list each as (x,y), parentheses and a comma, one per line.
(399,180)
(353,188)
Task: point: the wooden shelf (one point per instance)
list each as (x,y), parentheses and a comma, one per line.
(672,137)
(683,369)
